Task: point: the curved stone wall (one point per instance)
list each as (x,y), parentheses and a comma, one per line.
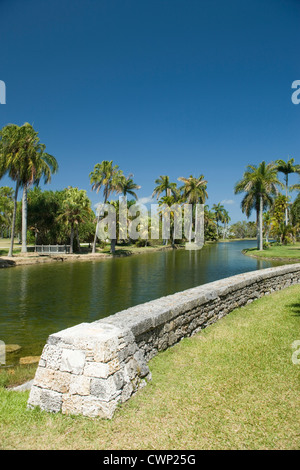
(92,367)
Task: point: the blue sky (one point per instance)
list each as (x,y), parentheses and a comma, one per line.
(174,87)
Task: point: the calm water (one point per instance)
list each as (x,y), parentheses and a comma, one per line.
(36,301)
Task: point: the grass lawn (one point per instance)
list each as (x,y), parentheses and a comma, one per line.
(232,386)
(291,252)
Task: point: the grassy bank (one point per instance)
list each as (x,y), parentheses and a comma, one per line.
(232,386)
(283,252)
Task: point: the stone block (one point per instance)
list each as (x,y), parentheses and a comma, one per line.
(72,361)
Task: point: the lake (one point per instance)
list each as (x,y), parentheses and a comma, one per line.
(38,300)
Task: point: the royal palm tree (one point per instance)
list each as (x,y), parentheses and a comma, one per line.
(128,186)
(287,168)
(108,177)
(226,220)
(193,192)
(260,185)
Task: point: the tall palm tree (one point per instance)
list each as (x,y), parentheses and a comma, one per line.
(12,163)
(259,183)
(219,213)
(193,192)
(226,220)
(170,208)
(287,168)
(108,177)
(24,159)
(40,164)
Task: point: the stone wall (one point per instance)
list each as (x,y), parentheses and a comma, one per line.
(91,368)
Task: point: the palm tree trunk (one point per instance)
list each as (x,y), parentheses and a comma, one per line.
(10,252)
(24,219)
(113,245)
(286,193)
(260,223)
(71,239)
(95,237)
(77,238)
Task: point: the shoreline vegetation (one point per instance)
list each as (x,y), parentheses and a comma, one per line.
(273,253)
(30,258)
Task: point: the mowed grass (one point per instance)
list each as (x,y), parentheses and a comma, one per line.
(232,386)
(291,252)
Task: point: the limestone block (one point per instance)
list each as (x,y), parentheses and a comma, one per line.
(93,407)
(105,389)
(72,404)
(72,361)
(80,385)
(47,400)
(52,379)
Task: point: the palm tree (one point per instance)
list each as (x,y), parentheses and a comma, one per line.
(170,207)
(39,165)
(127,186)
(193,192)
(287,168)
(75,210)
(163,183)
(108,177)
(12,162)
(219,210)
(260,185)
(226,220)
(24,159)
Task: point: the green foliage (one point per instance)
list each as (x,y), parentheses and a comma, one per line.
(295,211)
(243,230)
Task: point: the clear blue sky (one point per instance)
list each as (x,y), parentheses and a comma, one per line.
(173,87)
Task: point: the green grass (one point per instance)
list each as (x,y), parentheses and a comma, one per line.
(232,386)
(291,252)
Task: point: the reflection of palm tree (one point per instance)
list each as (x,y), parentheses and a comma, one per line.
(260,185)
(287,168)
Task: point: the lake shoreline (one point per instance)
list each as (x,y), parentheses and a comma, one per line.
(33,258)
(269,258)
